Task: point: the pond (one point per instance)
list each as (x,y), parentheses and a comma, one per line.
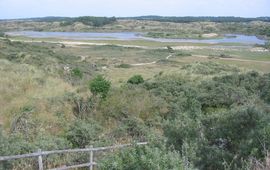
(229,38)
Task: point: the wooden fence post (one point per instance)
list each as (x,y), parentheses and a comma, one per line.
(91,158)
(40,163)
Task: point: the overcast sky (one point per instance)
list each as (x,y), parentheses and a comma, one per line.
(41,8)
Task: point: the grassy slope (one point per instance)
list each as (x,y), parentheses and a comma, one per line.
(23,85)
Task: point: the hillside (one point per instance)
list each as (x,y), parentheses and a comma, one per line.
(199,105)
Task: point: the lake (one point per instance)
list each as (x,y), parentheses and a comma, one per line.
(229,38)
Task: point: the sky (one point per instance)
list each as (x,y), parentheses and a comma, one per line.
(11,9)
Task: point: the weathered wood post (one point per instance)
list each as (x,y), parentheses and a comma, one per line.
(40,163)
(91,158)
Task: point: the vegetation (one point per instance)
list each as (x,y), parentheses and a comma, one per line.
(76,72)
(200,19)
(124,66)
(100,86)
(194,112)
(154,158)
(136,79)
(87,20)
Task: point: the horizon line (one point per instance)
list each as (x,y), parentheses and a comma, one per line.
(197,16)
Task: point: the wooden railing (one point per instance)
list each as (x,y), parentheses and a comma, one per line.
(90,150)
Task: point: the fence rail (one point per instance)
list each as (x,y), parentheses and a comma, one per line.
(91,151)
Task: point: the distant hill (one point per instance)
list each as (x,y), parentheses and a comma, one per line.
(87,20)
(176,19)
(197,19)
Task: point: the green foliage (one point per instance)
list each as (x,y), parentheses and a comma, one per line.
(95,21)
(83,133)
(238,132)
(2,34)
(267,44)
(209,68)
(136,79)
(170,49)
(264,86)
(131,127)
(76,72)
(143,157)
(124,66)
(200,19)
(213,122)
(16,144)
(181,53)
(100,86)
(144,105)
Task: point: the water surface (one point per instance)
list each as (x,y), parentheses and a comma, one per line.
(229,38)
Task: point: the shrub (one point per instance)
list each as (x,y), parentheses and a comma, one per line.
(136,79)
(264,87)
(170,49)
(267,45)
(100,86)
(2,34)
(234,136)
(143,157)
(83,133)
(76,72)
(181,53)
(124,66)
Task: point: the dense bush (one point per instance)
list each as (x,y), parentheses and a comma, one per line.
(124,66)
(215,122)
(264,86)
(238,132)
(76,72)
(83,133)
(100,86)
(136,79)
(144,157)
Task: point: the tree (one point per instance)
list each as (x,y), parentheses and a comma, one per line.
(100,86)
(136,79)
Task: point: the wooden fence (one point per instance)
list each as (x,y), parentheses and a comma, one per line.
(90,150)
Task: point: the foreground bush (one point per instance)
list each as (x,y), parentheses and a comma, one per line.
(143,157)
(83,133)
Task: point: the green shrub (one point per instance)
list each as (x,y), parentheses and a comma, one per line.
(143,157)
(83,133)
(76,72)
(124,66)
(181,53)
(100,86)
(267,45)
(2,34)
(264,87)
(234,136)
(136,79)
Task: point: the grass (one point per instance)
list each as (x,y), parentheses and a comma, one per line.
(23,85)
(40,79)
